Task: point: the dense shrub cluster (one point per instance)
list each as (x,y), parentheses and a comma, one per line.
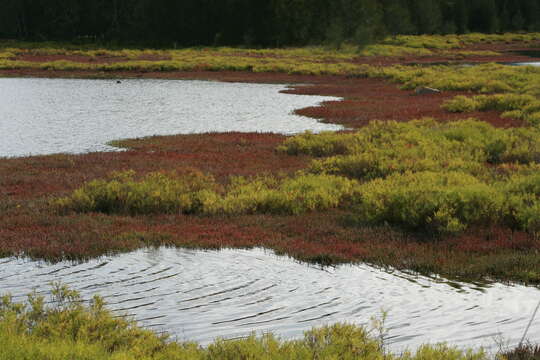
(205,62)
(523,200)
(69,330)
(484,78)
(441,201)
(157,193)
(420,175)
(296,195)
(382,148)
(424,175)
(513,90)
(524,107)
(199,194)
(445,42)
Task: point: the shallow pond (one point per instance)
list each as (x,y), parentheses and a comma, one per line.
(44,116)
(199,295)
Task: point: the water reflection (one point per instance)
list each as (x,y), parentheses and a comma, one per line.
(526,64)
(197,295)
(44,116)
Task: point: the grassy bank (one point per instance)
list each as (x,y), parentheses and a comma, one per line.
(66,329)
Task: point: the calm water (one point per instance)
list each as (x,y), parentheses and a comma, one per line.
(44,116)
(530,53)
(527,64)
(198,295)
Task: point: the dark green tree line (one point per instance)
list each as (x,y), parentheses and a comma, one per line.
(257,22)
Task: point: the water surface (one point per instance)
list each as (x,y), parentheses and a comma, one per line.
(534,63)
(200,295)
(44,116)
(529,53)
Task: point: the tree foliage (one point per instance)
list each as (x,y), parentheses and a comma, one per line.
(257,22)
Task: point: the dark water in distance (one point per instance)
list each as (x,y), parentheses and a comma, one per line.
(527,64)
(530,53)
(44,116)
(200,295)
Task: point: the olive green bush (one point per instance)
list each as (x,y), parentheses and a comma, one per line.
(484,78)
(425,175)
(522,192)
(157,193)
(518,106)
(439,201)
(300,194)
(195,193)
(421,175)
(383,148)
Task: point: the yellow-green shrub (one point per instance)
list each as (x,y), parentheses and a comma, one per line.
(383,148)
(322,144)
(444,202)
(156,193)
(6,55)
(387,49)
(313,60)
(425,41)
(522,192)
(196,193)
(520,106)
(68,321)
(484,78)
(378,164)
(429,175)
(295,195)
(521,145)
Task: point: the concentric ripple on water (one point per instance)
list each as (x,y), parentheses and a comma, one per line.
(200,295)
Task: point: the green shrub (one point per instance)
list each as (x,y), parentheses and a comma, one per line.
(156,193)
(339,341)
(425,41)
(429,175)
(421,175)
(443,202)
(524,107)
(484,78)
(322,144)
(296,195)
(195,193)
(384,148)
(70,328)
(371,165)
(522,193)
(521,145)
